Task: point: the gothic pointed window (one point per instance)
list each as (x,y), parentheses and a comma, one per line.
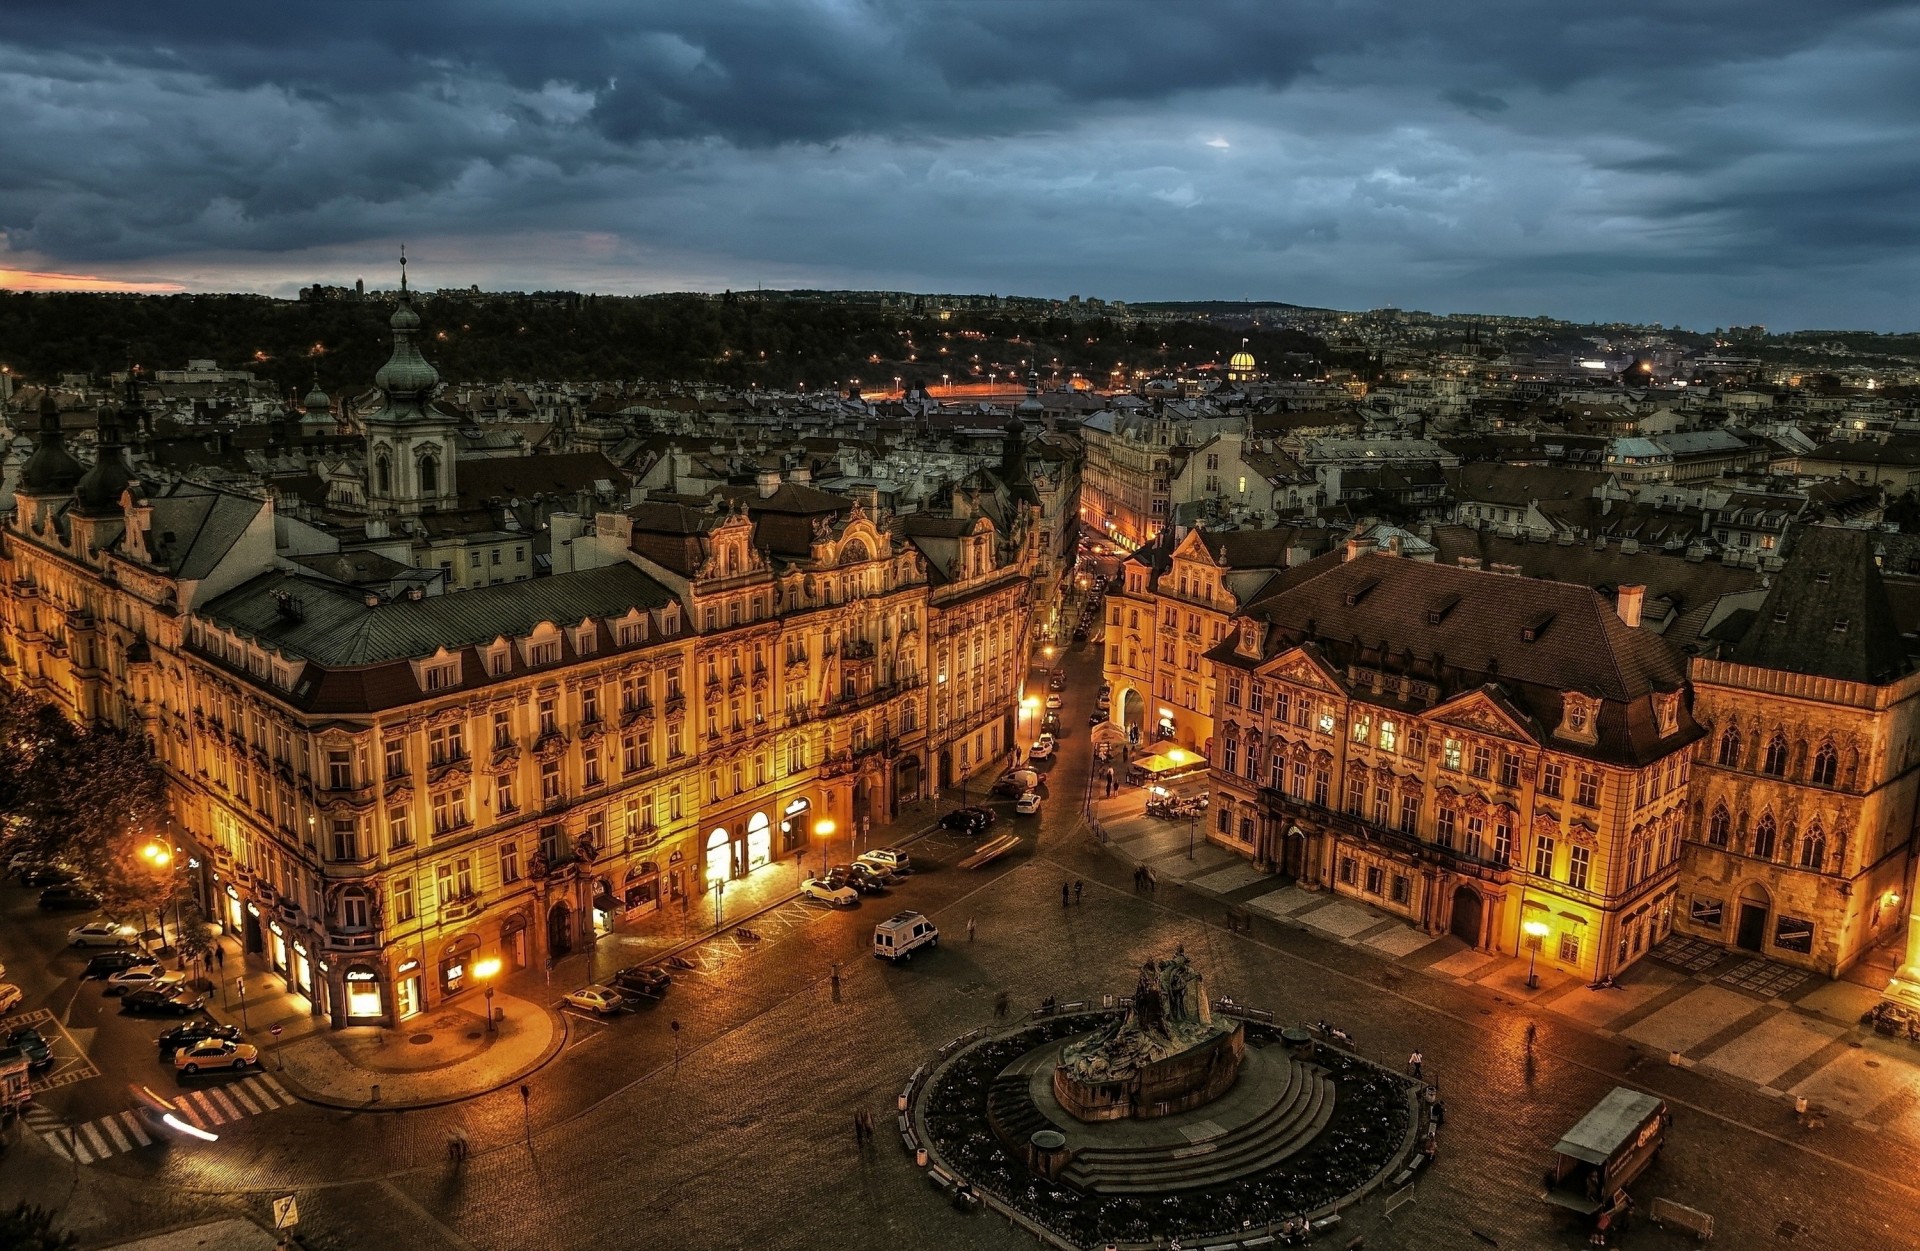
(1813,849)
(1826,764)
(1764,837)
(1718,826)
(1775,761)
(1730,746)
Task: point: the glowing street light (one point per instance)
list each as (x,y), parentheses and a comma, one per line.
(486,970)
(1537,931)
(156,855)
(1030,705)
(823,830)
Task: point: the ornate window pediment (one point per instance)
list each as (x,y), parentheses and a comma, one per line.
(1579,717)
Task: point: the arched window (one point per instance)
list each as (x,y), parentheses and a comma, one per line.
(383,475)
(1826,764)
(1813,849)
(1764,837)
(1775,761)
(1730,746)
(1719,826)
(429,476)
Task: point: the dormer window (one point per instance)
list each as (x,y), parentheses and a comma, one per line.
(1579,717)
(1250,639)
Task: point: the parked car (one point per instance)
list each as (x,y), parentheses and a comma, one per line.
(68,897)
(863,878)
(1016,782)
(1042,748)
(972,820)
(46,875)
(649,980)
(1097,716)
(187,1033)
(1053,699)
(32,1044)
(162,1001)
(1080,635)
(10,996)
(102,934)
(140,975)
(108,962)
(598,999)
(828,892)
(216,1053)
(1027,804)
(1058,681)
(887,859)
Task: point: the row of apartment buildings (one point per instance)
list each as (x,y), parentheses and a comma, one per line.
(1550,762)
(378,789)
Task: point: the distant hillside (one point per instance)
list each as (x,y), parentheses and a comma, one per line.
(481,338)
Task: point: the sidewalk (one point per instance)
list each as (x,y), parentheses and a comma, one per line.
(1789,1033)
(438,1057)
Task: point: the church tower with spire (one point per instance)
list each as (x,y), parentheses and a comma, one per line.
(410,443)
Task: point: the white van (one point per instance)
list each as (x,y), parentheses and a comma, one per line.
(897,936)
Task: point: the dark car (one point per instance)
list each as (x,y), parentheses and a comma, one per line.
(33,1045)
(1080,635)
(972,820)
(46,875)
(190,1032)
(110,962)
(1057,682)
(68,898)
(174,1001)
(861,878)
(642,979)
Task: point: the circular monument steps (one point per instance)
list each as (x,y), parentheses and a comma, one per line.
(1276,1108)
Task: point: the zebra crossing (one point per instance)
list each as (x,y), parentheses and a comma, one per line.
(204,1108)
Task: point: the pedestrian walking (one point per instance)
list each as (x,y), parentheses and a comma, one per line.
(1078,885)
(969,929)
(1066,889)
(220,957)
(1153,882)
(1001,1005)
(1416,1062)
(1532,1031)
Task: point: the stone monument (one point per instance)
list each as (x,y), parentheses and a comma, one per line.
(1166,1055)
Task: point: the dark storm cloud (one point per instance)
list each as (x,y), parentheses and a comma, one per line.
(1715,161)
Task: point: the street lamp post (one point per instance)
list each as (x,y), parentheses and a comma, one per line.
(1029,706)
(718,885)
(823,830)
(160,858)
(1536,931)
(486,970)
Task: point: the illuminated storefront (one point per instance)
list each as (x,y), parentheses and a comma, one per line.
(363,993)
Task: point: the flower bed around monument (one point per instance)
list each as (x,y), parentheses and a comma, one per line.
(1368,1132)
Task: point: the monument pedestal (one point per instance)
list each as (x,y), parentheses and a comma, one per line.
(1178,1083)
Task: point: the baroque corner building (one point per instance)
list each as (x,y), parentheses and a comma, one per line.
(1523,764)
(1500,759)
(378,788)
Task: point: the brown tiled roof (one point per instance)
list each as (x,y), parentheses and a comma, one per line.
(1379,611)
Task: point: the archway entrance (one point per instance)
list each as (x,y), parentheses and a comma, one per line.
(719,857)
(559,931)
(1755,904)
(1466,915)
(1133,714)
(759,840)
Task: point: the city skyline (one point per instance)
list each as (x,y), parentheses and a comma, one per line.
(1688,169)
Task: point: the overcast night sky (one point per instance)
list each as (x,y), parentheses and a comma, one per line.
(1704,164)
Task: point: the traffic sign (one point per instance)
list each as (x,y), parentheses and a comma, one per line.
(286,1212)
(275,1031)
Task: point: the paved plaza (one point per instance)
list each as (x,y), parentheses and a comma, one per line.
(735,1130)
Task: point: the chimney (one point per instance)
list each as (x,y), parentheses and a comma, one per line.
(1628,600)
(768,482)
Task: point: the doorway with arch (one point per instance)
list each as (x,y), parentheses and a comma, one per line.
(1467,915)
